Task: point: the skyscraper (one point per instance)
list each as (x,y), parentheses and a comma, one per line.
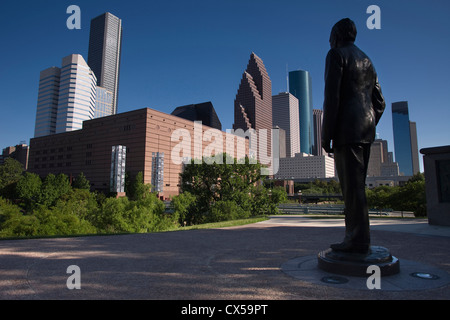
(103,103)
(77,94)
(300,85)
(253,104)
(67,97)
(203,112)
(317,149)
(285,115)
(47,105)
(405,139)
(105,43)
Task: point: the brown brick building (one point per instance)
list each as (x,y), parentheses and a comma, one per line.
(144,132)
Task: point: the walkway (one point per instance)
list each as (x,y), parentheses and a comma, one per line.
(247,262)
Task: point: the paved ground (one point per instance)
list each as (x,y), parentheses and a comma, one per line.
(245,262)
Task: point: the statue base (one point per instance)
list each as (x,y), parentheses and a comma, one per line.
(356,264)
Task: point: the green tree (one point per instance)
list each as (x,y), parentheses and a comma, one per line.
(28,189)
(8,211)
(224,210)
(232,180)
(53,187)
(10,173)
(277,196)
(380,197)
(80,182)
(183,205)
(138,189)
(411,197)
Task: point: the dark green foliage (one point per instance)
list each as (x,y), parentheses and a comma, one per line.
(10,172)
(137,189)
(226,191)
(318,187)
(50,207)
(81,182)
(410,197)
(183,206)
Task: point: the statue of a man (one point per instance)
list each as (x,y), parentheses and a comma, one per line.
(353,105)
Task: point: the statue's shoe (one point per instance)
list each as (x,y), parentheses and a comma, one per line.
(351,247)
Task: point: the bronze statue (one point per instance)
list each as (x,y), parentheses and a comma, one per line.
(353,105)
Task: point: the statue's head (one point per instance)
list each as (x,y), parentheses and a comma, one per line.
(343,31)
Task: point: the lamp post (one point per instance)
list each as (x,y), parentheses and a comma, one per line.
(300,196)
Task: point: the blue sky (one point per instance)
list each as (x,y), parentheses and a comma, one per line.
(181,52)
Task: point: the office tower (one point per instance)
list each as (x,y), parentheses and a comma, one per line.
(405,139)
(47,105)
(414,147)
(285,115)
(300,85)
(253,105)
(281,145)
(77,94)
(105,43)
(317,149)
(203,112)
(103,103)
(378,155)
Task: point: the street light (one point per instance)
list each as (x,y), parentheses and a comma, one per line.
(299,196)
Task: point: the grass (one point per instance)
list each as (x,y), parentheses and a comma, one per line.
(223,224)
(213,225)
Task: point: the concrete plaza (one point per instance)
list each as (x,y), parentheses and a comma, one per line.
(256,261)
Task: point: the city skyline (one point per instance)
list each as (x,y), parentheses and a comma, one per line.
(180,46)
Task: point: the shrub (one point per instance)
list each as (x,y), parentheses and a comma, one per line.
(183,206)
(224,210)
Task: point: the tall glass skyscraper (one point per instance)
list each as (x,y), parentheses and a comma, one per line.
(47,106)
(77,94)
(105,43)
(67,97)
(405,139)
(285,115)
(300,85)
